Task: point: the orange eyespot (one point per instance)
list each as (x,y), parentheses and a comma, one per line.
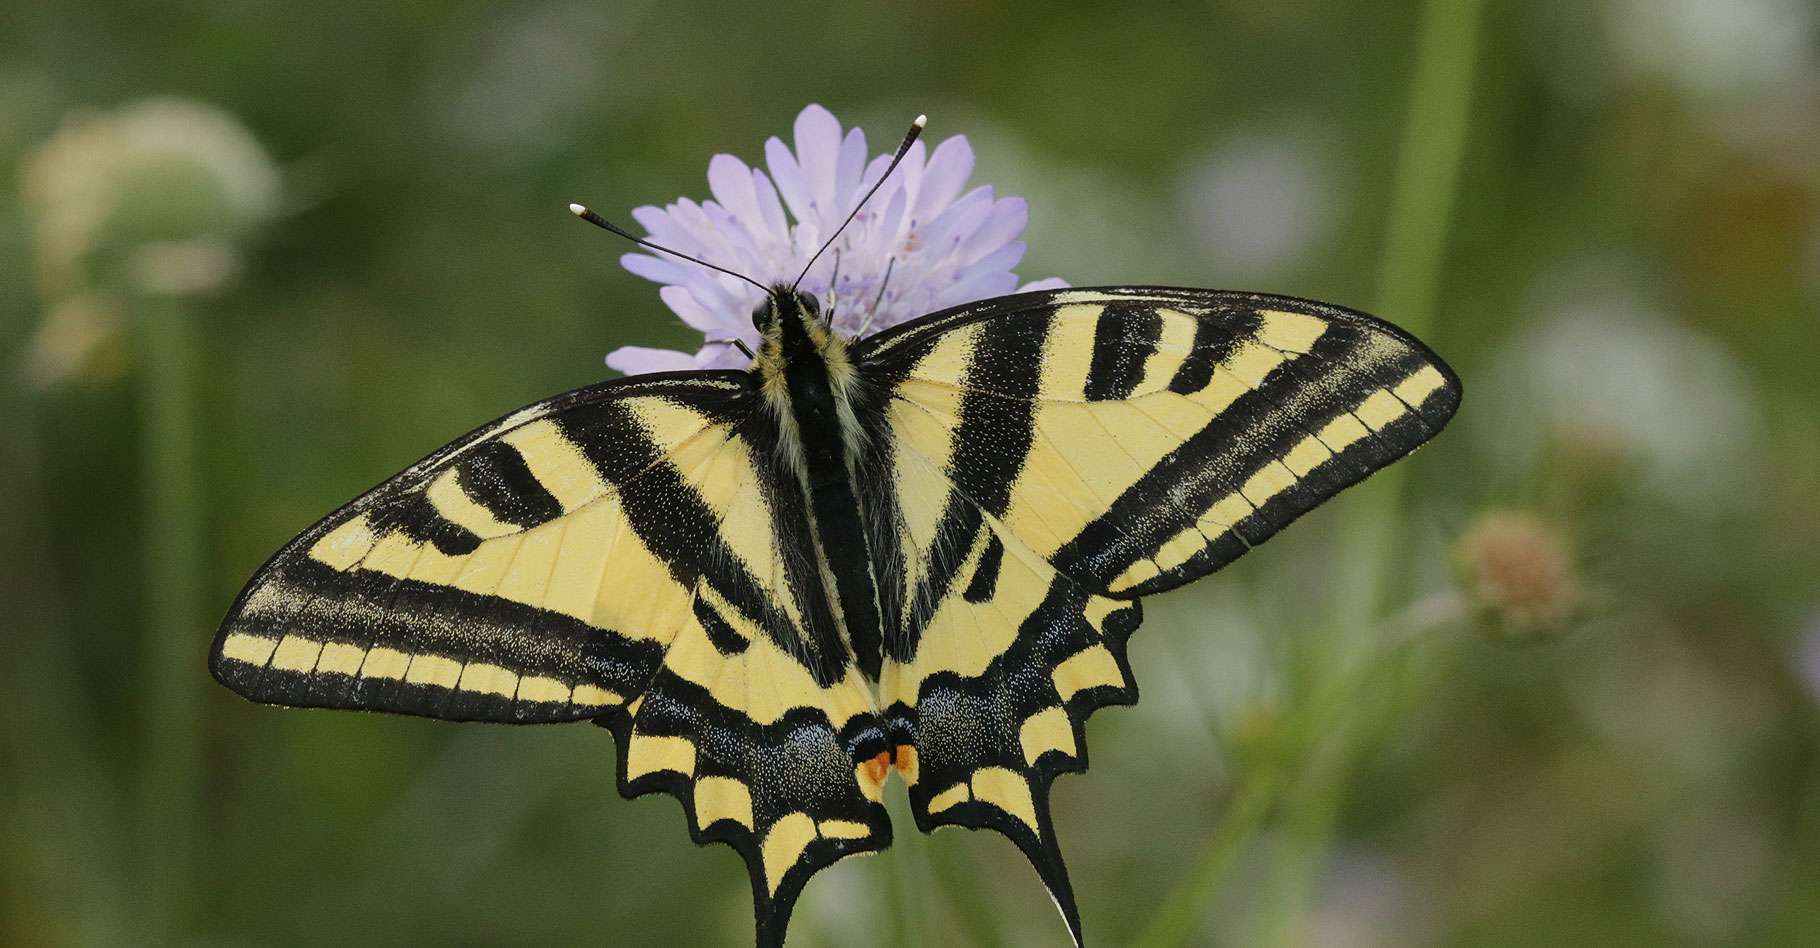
(906,762)
(878,768)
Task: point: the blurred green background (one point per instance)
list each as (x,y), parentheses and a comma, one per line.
(1554,683)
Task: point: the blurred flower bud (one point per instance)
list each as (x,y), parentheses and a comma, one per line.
(1517,572)
(1661,406)
(79,339)
(183,267)
(1807,655)
(1260,203)
(108,188)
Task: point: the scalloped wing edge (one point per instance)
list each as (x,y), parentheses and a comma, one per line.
(771,910)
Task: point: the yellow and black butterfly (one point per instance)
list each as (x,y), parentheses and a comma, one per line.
(921,551)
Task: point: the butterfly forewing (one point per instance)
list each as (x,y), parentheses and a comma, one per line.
(484,583)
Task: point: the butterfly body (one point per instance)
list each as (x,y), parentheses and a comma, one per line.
(920,552)
(805,373)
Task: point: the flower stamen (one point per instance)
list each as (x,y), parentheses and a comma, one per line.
(878,300)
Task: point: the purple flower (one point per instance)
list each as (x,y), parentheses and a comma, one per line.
(920,244)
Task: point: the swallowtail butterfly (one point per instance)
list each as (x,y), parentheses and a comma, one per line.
(919,552)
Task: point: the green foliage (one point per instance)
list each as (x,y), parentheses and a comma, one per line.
(1335,744)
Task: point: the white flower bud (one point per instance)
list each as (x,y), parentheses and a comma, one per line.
(158,171)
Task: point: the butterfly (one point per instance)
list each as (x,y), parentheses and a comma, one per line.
(917,553)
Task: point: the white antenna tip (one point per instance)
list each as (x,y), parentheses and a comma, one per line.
(921,121)
(578,210)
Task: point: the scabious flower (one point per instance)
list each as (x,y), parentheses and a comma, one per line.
(919,245)
(1518,572)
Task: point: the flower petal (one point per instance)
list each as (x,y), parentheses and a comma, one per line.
(721,355)
(1003,223)
(634,360)
(891,230)
(947,173)
(847,172)
(663,228)
(789,177)
(777,229)
(977,286)
(910,172)
(944,233)
(998,261)
(731,182)
(1046,283)
(869,177)
(716,322)
(655,269)
(818,153)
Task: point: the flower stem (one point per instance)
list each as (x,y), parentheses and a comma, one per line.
(899,897)
(1435,132)
(1321,734)
(950,867)
(1409,276)
(1175,922)
(174,636)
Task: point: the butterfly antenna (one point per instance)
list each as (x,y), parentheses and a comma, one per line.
(916,128)
(585,214)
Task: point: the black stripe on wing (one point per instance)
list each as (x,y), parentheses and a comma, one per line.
(1123,340)
(1363,396)
(496,476)
(318,637)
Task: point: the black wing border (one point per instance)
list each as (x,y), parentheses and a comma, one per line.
(879,346)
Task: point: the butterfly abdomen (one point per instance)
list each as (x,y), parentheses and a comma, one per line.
(807,380)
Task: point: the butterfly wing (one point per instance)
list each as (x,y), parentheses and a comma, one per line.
(621,553)
(1056,456)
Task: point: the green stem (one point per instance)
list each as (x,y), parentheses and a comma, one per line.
(1177,919)
(1428,170)
(899,890)
(1331,730)
(1409,276)
(1347,702)
(174,636)
(58,788)
(952,867)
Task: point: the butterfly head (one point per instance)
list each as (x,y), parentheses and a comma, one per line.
(784,304)
(795,333)
(791,325)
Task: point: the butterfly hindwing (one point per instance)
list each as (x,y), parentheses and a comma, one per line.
(1057,455)
(623,553)
(1009,659)
(758,740)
